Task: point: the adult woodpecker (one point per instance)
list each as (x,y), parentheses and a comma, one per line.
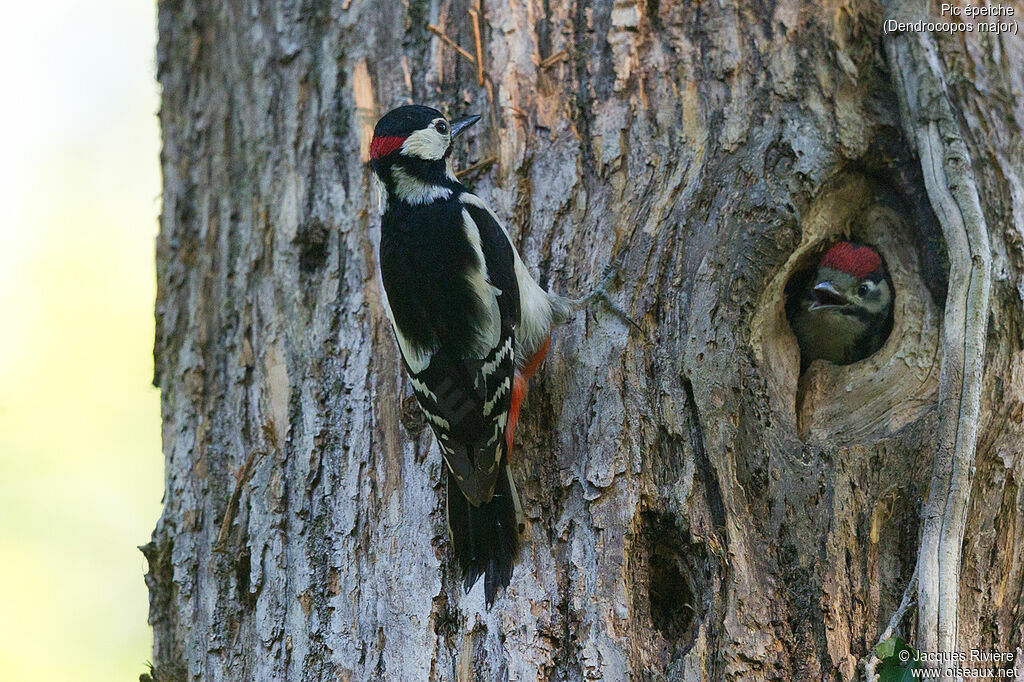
(472,326)
(844,314)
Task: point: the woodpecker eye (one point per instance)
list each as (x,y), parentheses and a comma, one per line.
(441,127)
(862,290)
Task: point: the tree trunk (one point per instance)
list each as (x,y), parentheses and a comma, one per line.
(696,509)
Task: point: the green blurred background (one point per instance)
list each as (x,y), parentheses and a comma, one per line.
(80,462)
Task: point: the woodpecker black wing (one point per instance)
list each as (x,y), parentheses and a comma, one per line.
(454,303)
(455,306)
(466,403)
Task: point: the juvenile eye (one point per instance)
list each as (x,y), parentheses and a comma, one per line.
(862,290)
(442,127)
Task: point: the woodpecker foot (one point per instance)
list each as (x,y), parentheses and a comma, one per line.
(619,312)
(600,293)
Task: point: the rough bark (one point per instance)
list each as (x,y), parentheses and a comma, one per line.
(930,123)
(697,510)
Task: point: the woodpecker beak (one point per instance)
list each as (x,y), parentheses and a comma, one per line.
(826,296)
(463,123)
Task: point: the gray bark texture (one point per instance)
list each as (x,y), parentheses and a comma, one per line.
(696,509)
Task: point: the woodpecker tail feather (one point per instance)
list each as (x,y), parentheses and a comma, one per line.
(485,538)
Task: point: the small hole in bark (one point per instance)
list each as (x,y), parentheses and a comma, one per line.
(312,241)
(670,594)
(446,619)
(675,570)
(242,568)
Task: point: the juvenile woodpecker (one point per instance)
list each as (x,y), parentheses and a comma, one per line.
(844,314)
(472,326)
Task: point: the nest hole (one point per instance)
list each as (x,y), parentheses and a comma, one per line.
(670,595)
(313,247)
(673,581)
(868,397)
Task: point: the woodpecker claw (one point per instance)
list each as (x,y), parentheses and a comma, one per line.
(606,278)
(619,312)
(600,293)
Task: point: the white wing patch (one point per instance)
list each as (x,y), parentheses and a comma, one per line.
(414,191)
(534,305)
(488,332)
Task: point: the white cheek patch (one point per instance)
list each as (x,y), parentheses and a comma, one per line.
(879,297)
(427,144)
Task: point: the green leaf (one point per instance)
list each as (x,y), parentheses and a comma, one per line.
(892,666)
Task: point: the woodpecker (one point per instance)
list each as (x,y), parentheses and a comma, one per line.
(472,326)
(844,313)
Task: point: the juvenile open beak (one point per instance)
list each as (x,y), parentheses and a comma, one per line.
(463,123)
(827,296)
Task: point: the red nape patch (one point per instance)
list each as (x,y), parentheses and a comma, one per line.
(853,259)
(382,146)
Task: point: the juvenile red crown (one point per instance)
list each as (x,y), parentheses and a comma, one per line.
(853,259)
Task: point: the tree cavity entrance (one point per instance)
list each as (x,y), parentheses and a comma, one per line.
(673,581)
(866,397)
(670,595)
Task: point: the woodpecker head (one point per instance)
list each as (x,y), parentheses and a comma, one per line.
(845,313)
(410,152)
